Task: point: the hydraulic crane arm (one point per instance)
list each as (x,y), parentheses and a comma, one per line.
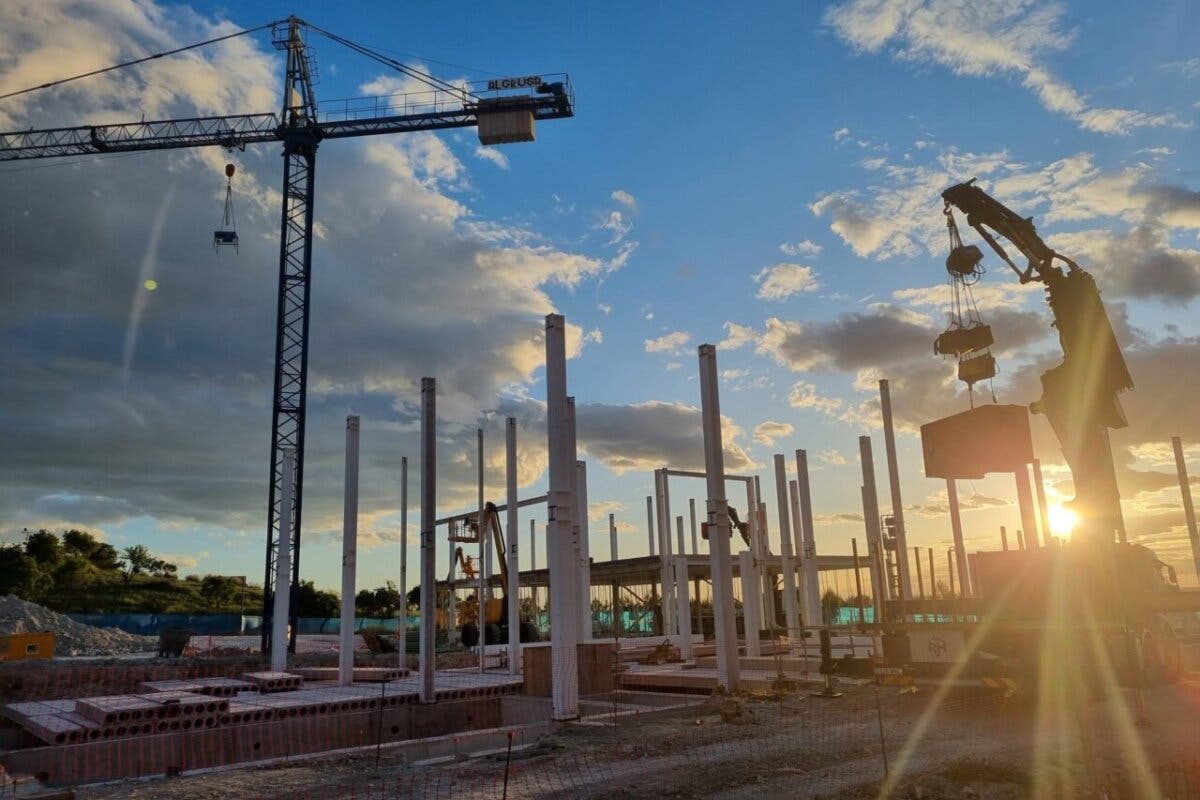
(1080,395)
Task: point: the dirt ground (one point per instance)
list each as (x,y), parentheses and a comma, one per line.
(867,743)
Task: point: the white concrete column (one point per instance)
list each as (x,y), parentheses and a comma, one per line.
(1039,488)
(426,652)
(482,566)
(664,556)
(790,614)
(877,595)
(349,555)
(871,517)
(512,591)
(564,635)
(1025,505)
(721,568)
(1185,491)
(760,545)
(751,621)
(283,563)
(810,614)
(402,628)
(612,537)
(964,575)
(668,548)
(650,523)
(695,535)
(812,583)
(682,551)
(889,441)
(683,609)
(585,557)
(533,544)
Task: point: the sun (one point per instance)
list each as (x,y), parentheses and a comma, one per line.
(1062,521)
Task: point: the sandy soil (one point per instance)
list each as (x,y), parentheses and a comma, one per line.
(974,745)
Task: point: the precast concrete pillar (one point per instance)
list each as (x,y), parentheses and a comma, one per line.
(402,629)
(808,532)
(349,554)
(695,536)
(790,612)
(1185,491)
(751,622)
(664,554)
(484,552)
(719,529)
(683,609)
(889,440)
(512,591)
(650,524)
(585,557)
(1039,488)
(428,632)
(564,637)
(871,517)
(1025,504)
(612,537)
(964,575)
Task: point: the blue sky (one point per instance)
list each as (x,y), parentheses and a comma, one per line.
(764,178)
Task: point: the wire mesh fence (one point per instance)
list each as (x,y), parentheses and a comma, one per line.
(492,734)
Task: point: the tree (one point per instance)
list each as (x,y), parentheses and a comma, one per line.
(137,560)
(218,589)
(831,604)
(309,601)
(414,596)
(105,557)
(80,543)
(20,574)
(44,548)
(75,574)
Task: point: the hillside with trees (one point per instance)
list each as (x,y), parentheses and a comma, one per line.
(76,572)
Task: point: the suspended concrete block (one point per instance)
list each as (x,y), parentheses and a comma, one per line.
(992,438)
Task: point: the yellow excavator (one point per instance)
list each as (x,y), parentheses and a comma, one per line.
(495,618)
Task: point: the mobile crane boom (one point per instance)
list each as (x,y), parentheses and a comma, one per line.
(1080,395)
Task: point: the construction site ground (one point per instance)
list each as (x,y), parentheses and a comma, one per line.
(962,743)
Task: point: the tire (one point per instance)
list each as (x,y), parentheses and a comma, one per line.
(469,633)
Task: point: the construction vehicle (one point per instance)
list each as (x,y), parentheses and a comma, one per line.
(495,616)
(1095,606)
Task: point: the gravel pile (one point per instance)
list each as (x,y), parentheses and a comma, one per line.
(70,638)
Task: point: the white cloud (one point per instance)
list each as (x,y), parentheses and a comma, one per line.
(617,226)
(493,155)
(669,343)
(806,395)
(737,336)
(673,365)
(784,280)
(983,40)
(804,247)
(832,457)
(624,198)
(595,335)
(841,134)
(770,431)
(604,308)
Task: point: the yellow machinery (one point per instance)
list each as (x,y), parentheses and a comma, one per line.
(26,646)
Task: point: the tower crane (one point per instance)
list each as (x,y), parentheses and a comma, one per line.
(503,111)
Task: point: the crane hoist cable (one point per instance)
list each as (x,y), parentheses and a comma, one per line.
(141,60)
(226,234)
(967,337)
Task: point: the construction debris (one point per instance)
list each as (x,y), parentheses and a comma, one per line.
(70,638)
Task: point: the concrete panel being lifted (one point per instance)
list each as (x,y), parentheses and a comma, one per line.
(990,438)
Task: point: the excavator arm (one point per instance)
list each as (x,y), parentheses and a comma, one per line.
(1080,395)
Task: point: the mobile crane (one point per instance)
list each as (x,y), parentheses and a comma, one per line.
(1105,599)
(1080,395)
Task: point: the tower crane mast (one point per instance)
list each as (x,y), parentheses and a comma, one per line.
(500,117)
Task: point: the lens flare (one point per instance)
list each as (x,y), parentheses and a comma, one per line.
(150,284)
(1062,521)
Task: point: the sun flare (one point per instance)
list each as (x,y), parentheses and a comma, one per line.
(1062,521)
